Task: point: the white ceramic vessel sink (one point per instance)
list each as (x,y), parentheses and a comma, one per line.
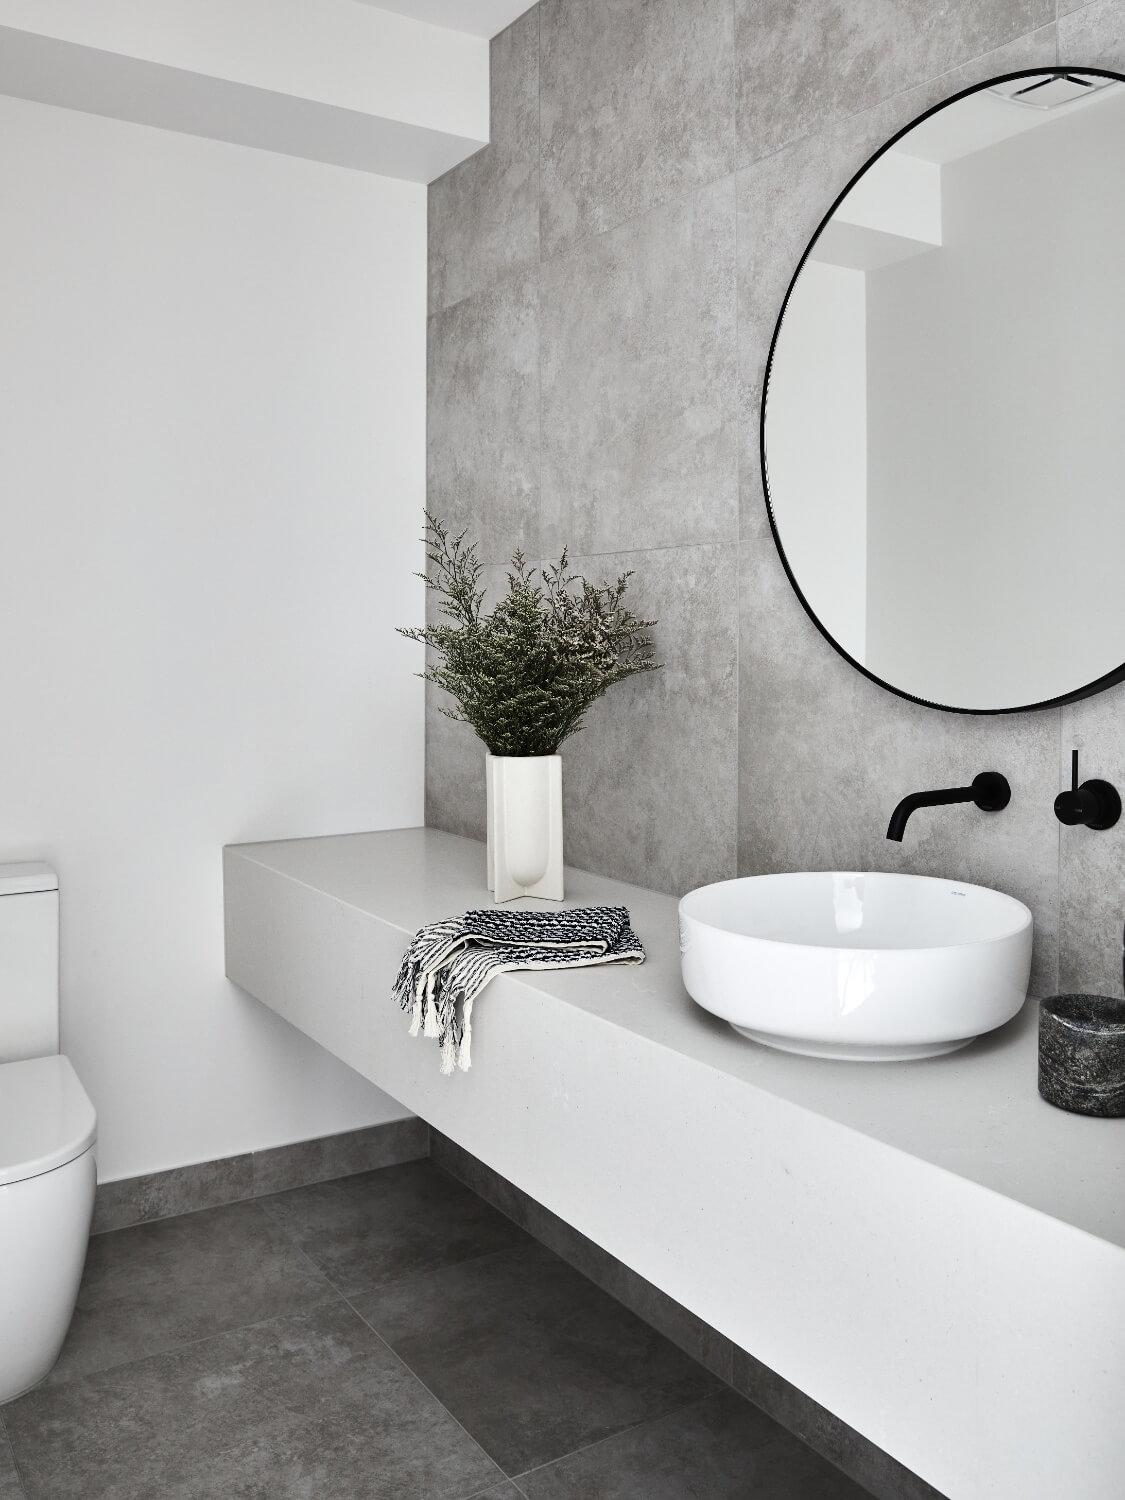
(873,968)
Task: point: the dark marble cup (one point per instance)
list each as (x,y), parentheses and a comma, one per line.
(1082,1054)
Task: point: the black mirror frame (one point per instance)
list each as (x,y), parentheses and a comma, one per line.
(1110,679)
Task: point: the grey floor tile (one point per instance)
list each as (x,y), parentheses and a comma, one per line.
(10,1486)
(380,1226)
(312,1405)
(157,1286)
(720,1449)
(530,1356)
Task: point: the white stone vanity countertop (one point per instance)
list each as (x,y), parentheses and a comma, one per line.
(975,1113)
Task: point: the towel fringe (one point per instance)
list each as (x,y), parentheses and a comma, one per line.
(448,1053)
(448,964)
(465,1050)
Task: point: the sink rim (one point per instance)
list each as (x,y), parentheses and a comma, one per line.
(1019,911)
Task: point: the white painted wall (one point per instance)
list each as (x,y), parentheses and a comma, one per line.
(817,446)
(212,398)
(995,441)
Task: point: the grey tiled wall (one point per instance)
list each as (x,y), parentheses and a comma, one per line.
(604,280)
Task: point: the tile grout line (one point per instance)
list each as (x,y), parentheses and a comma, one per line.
(46,1389)
(694,545)
(413,1373)
(725,1384)
(379,1286)
(624,1431)
(6,1445)
(535,1239)
(331,1294)
(585,1447)
(737,168)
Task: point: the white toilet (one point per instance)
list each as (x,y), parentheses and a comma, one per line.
(47,1133)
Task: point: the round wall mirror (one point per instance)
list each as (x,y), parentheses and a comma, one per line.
(943,429)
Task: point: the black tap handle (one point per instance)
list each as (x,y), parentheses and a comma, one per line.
(1095,804)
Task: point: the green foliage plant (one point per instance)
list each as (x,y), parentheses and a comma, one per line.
(524,673)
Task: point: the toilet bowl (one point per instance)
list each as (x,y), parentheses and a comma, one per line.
(47,1180)
(48,1130)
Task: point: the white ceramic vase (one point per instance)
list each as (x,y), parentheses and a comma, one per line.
(525,838)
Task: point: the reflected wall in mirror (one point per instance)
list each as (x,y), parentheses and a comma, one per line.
(943,431)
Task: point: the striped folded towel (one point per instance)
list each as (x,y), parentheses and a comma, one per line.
(448,963)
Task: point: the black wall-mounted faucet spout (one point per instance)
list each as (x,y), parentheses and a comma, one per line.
(990,791)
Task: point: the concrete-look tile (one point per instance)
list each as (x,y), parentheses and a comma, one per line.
(801,67)
(455,798)
(531,1358)
(376,1227)
(313,1404)
(721,1448)
(159,1195)
(650,783)
(783,198)
(482,459)
(1093,35)
(825,755)
(636,107)
(1092,865)
(384,1145)
(638,373)
(689,1333)
(157,1286)
(880,1475)
(484,214)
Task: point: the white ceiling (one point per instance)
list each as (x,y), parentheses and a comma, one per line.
(984,119)
(477,17)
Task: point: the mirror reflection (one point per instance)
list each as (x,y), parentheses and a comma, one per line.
(944,431)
